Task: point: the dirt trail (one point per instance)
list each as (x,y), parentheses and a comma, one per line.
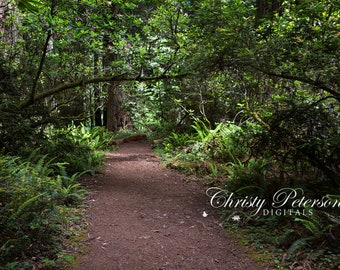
(146,217)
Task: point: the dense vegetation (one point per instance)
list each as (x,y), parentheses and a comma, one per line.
(242,93)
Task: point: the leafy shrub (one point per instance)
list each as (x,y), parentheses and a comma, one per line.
(225,143)
(81,148)
(296,148)
(303,138)
(177,141)
(248,177)
(10,131)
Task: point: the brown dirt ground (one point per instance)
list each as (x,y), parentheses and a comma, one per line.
(143,216)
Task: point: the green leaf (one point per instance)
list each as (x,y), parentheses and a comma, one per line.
(30,5)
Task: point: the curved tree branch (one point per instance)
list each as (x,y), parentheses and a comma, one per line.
(71,85)
(316,83)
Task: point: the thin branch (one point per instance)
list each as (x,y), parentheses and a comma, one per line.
(42,61)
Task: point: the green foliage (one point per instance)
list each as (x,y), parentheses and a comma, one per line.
(70,191)
(29,5)
(238,159)
(314,143)
(10,131)
(33,192)
(81,148)
(176,141)
(322,228)
(264,76)
(299,244)
(249,178)
(25,205)
(312,224)
(333,197)
(226,142)
(27,201)
(321,224)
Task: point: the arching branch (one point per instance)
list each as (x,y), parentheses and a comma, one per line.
(318,84)
(71,85)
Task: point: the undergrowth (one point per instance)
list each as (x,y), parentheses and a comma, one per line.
(41,198)
(241,162)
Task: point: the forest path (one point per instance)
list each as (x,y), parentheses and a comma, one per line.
(143,216)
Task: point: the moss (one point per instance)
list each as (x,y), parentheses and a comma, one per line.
(74,238)
(77,246)
(258,253)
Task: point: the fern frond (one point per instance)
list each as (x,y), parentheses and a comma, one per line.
(43,167)
(299,244)
(312,225)
(333,219)
(25,205)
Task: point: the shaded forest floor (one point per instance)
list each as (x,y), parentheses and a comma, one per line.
(143,216)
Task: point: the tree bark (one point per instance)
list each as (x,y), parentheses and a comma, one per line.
(110,106)
(96,103)
(266,8)
(113,106)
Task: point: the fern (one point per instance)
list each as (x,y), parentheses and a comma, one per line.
(300,244)
(311,225)
(333,219)
(70,191)
(334,198)
(33,155)
(205,134)
(213,170)
(202,130)
(24,205)
(43,167)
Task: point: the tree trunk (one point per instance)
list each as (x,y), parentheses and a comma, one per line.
(114,107)
(266,8)
(8,31)
(97,103)
(3,5)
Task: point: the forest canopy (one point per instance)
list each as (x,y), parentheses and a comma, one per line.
(142,63)
(249,87)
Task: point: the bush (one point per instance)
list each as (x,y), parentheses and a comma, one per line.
(224,143)
(296,149)
(304,139)
(33,193)
(32,198)
(81,148)
(28,196)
